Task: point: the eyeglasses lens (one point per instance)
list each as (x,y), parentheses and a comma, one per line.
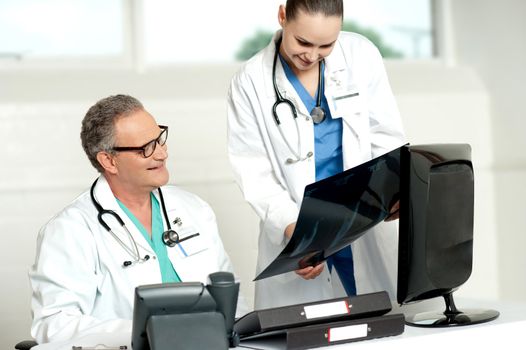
(161,140)
(163,137)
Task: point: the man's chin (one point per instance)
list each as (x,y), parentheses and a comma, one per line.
(161,179)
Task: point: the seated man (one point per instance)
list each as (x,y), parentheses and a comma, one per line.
(92,255)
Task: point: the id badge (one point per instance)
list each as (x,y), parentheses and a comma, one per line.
(193,244)
(348,102)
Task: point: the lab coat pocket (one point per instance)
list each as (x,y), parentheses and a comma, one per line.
(353,112)
(356,133)
(192,258)
(348,103)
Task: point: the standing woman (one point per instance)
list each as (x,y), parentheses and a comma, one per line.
(316,101)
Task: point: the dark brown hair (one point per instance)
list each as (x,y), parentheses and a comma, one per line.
(325,7)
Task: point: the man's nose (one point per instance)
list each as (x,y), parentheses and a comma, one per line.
(161,152)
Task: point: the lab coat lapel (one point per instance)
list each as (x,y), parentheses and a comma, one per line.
(336,61)
(336,74)
(170,207)
(340,80)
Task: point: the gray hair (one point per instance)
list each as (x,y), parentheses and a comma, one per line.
(311,7)
(98,126)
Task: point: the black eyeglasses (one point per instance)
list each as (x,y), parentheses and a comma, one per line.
(148,148)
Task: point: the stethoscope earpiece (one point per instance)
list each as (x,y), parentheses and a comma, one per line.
(129,262)
(292,161)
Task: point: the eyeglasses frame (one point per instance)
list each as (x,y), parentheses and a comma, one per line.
(143,147)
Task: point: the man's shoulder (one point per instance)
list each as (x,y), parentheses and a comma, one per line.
(81,204)
(74,214)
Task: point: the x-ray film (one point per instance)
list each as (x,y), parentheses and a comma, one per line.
(338,210)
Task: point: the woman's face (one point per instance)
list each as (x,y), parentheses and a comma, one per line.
(308,38)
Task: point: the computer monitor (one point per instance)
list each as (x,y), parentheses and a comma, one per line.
(436,231)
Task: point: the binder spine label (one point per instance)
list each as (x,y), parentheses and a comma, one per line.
(327,309)
(347,332)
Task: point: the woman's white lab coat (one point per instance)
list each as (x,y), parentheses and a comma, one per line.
(78,279)
(358,91)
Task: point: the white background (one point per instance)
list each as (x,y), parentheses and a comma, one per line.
(474,94)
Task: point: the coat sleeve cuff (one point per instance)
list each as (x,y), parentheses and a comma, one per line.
(276,221)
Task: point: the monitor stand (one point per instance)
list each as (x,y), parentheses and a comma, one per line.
(451,317)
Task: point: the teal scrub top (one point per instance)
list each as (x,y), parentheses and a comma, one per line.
(168,272)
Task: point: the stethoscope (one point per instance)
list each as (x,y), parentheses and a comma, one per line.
(317,114)
(170,237)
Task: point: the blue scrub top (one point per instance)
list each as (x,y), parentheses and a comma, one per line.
(327,134)
(168,272)
(329,161)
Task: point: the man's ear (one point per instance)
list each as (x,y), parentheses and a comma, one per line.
(107,162)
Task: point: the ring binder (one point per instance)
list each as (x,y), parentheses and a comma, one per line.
(346,308)
(334,333)
(331,333)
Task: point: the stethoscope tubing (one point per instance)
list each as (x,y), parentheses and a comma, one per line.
(134,250)
(281,100)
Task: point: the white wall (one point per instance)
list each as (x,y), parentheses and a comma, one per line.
(479,100)
(490,38)
(440,105)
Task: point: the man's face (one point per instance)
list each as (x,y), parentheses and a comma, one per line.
(133,170)
(308,39)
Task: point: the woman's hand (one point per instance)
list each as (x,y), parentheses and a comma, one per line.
(289,230)
(394,213)
(311,272)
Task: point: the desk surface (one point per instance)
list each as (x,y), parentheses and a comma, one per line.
(510,327)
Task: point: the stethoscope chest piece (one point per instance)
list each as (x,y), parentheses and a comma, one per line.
(170,238)
(317,114)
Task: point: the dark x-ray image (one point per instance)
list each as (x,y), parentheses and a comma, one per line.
(338,210)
